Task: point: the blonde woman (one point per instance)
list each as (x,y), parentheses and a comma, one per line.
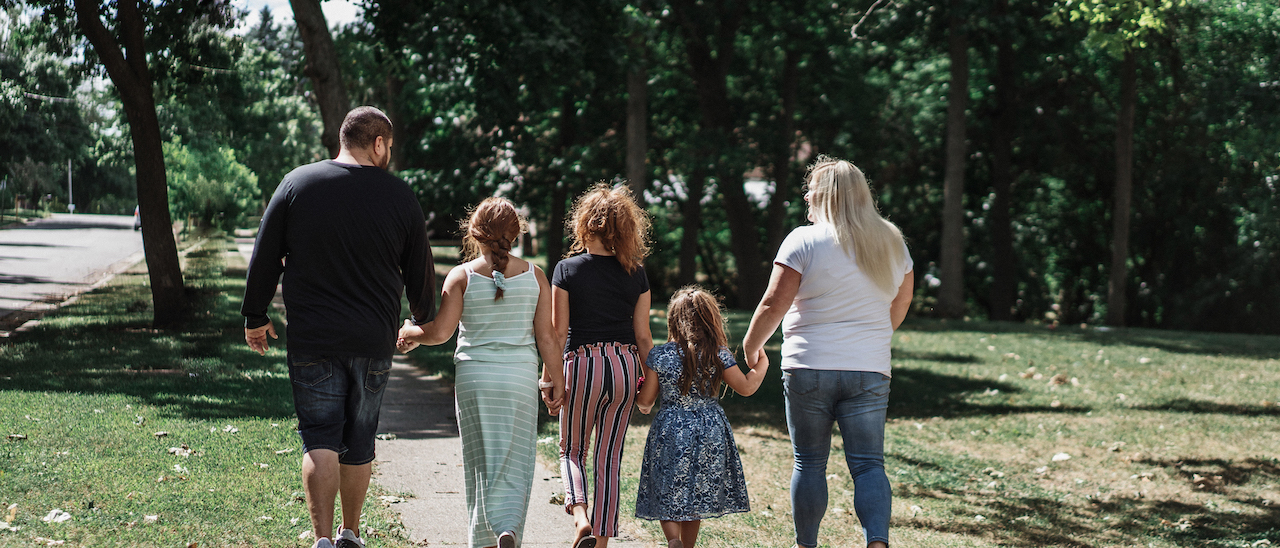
(840,287)
(600,309)
(503,306)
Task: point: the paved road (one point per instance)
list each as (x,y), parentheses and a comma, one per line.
(51,259)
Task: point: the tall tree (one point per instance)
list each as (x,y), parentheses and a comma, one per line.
(123,52)
(1121,28)
(709,31)
(323,69)
(951,294)
(1004,285)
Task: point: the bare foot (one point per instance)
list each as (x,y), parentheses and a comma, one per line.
(675,543)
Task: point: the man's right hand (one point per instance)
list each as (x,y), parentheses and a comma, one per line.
(257,337)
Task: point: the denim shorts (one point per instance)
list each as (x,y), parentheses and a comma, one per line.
(337,399)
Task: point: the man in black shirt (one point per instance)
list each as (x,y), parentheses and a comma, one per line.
(347,237)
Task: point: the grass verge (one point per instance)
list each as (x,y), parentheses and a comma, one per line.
(1019,435)
(144,437)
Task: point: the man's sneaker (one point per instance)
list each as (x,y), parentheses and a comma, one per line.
(348,539)
(323,543)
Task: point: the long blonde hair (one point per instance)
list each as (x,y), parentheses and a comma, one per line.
(841,198)
(613,217)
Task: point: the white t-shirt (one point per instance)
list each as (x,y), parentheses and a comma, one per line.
(839,319)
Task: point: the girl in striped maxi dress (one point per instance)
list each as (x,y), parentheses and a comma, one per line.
(501,306)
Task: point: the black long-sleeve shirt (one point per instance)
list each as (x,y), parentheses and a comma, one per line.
(347,239)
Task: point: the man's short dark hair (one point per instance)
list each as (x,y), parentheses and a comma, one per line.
(362,126)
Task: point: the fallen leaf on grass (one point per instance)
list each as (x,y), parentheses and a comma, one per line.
(230,429)
(1144,360)
(1115,447)
(387,499)
(265,518)
(4,526)
(183,451)
(262,464)
(1061,457)
(150,519)
(49,541)
(56,516)
(304,535)
(1060,378)
(916,510)
(179,469)
(13,513)
(16,437)
(140,420)
(194,545)
(284,451)
(160,434)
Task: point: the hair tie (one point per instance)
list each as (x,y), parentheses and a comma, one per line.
(499,280)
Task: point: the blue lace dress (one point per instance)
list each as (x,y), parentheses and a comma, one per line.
(691,469)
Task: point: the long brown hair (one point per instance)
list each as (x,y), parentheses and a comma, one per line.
(613,217)
(695,324)
(492,225)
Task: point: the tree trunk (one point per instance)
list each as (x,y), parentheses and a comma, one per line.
(126,64)
(1004,284)
(637,120)
(322,68)
(788,89)
(561,187)
(691,211)
(395,112)
(1116,297)
(951,294)
(709,69)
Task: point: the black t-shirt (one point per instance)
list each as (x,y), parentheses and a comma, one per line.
(602,298)
(349,240)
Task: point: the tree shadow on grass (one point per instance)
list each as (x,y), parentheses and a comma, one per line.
(200,369)
(919,393)
(1183,405)
(1179,342)
(1018,518)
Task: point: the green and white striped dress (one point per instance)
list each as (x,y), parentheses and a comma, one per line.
(497,402)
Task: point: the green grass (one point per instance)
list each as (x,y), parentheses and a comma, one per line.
(93,384)
(1172,438)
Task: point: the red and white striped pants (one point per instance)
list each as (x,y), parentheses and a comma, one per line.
(600,388)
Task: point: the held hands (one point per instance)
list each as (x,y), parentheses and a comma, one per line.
(404,344)
(552,396)
(759,359)
(257,337)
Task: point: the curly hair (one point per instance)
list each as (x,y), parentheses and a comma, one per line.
(695,324)
(612,216)
(494,224)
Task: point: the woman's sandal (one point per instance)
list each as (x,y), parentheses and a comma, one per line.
(585,542)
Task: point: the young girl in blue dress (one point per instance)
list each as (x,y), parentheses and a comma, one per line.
(691,469)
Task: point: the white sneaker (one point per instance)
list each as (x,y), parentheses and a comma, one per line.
(348,539)
(323,543)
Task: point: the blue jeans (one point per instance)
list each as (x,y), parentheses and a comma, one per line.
(337,399)
(857,400)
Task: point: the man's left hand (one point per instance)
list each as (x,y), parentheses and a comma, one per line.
(257,337)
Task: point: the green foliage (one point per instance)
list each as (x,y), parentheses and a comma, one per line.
(1116,26)
(209,186)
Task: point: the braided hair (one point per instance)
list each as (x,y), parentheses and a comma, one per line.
(695,324)
(493,225)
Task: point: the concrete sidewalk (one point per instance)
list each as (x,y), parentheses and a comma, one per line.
(425,460)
